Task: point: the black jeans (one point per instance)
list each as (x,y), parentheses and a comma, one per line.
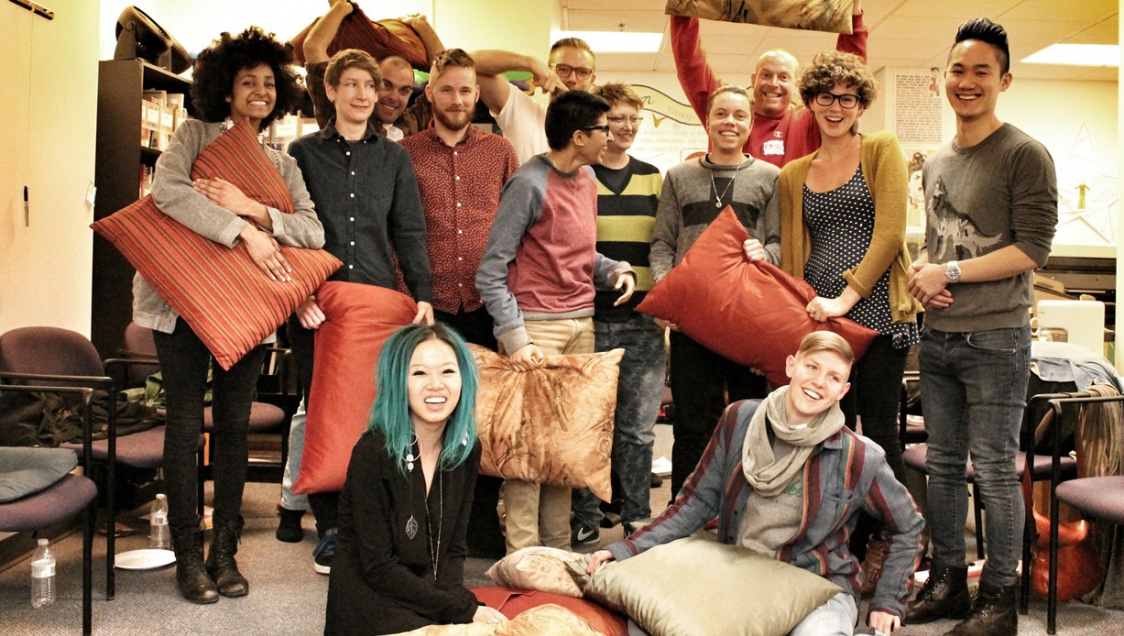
(184,361)
(702,384)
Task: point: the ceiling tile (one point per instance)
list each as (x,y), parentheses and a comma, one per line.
(599,20)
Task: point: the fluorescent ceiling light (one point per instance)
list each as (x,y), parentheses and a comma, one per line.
(615,41)
(1077,55)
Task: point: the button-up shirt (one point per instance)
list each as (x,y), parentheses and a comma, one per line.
(366,196)
(460,190)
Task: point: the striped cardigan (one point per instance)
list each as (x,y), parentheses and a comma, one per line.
(848,473)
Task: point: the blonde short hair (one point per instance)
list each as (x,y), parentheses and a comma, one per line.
(827,341)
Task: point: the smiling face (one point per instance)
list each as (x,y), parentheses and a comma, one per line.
(354,97)
(577,62)
(433,382)
(817,381)
(624,123)
(727,123)
(974,80)
(774,83)
(253,94)
(834,120)
(453,94)
(592,151)
(397,86)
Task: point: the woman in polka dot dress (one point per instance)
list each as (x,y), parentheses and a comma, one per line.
(843,216)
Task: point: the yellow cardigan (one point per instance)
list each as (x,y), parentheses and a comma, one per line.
(884,170)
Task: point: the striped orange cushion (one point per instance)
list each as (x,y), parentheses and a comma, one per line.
(228,301)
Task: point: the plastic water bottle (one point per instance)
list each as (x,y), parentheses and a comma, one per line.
(159,536)
(42,575)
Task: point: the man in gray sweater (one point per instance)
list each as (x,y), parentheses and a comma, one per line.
(992,204)
(694,193)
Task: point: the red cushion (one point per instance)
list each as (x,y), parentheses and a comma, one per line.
(751,313)
(512,602)
(359,320)
(380,39)
(230,304)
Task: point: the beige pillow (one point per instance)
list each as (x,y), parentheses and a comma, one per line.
(552,425)
(695,586)
(543,569)
(833,16)
(544,620)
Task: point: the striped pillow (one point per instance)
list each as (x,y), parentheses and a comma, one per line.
(229,303)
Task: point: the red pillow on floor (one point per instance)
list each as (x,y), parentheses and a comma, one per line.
(751,313)
(512,602)
(229,303)
(380,39)
(359,320)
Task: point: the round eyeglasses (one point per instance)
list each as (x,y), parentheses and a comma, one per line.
(847,100)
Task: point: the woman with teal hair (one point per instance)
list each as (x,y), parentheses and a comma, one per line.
(404,509)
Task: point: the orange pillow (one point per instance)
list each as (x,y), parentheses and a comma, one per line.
(229,303)
(380,39)
(751,313)
(552,425)
(359,320)
(512,602)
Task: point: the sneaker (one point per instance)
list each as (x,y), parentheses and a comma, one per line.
(290,530)
(324,552)
(581,534)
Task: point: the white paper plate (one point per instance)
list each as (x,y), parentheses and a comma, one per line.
(147,559)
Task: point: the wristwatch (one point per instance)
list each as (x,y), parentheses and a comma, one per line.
(952,270)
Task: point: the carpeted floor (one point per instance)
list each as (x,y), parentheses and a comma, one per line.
(287,597)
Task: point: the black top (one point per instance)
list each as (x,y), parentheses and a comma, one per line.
(382,581)
(366,196)
(841,222)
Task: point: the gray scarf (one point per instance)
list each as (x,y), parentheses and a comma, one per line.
(767,474)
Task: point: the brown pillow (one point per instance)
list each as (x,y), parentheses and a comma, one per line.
(359,320)
(751,313)
(381,39)
(229,303)
(544,569)
(542,620)
(552,425)
(817,15)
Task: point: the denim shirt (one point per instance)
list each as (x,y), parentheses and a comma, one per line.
(846,473)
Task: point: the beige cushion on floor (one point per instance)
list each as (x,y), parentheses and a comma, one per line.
(697,587)
(543,569)
(545,620)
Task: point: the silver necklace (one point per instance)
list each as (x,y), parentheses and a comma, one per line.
(411,458)
(718,198)
(434,551)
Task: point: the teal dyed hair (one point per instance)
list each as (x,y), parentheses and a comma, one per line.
(390,414)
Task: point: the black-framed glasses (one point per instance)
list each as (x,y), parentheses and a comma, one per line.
(620,119)
(846,100)
(588,129)
(564,70)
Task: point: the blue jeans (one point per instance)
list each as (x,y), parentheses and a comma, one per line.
(836,617)
(973,388)
(639,390)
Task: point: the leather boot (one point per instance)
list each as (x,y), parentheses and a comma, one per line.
(944,595)
(220,560)
(993,614)
(192,579)
(872,566)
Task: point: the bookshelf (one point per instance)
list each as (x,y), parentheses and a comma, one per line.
(120,160)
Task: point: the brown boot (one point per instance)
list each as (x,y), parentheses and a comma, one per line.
(220,560)
(872,566)
(993,613)
(191,578)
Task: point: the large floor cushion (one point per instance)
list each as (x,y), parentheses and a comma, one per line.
(698,587)
(552,425)
(751,313)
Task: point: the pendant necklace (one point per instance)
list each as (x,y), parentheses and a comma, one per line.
(718,197)
(411,458)
(435,551)
(412,523)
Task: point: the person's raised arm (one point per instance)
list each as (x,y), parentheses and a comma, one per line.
(322,33)
(420,24)
(494,88)
(855,42)
(695,76)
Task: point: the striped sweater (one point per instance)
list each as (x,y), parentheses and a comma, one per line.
(627,200)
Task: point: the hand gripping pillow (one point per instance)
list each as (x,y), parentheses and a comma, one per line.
(751,313)
(228,301)
(697,587)
(359,319)
(552,425)
(381,39)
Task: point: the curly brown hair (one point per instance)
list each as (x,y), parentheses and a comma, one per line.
(834,67)
(219,63)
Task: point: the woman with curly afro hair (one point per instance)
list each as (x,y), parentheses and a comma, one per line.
(843,219)
(245,78)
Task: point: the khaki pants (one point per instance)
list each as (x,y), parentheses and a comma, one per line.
(538,514)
